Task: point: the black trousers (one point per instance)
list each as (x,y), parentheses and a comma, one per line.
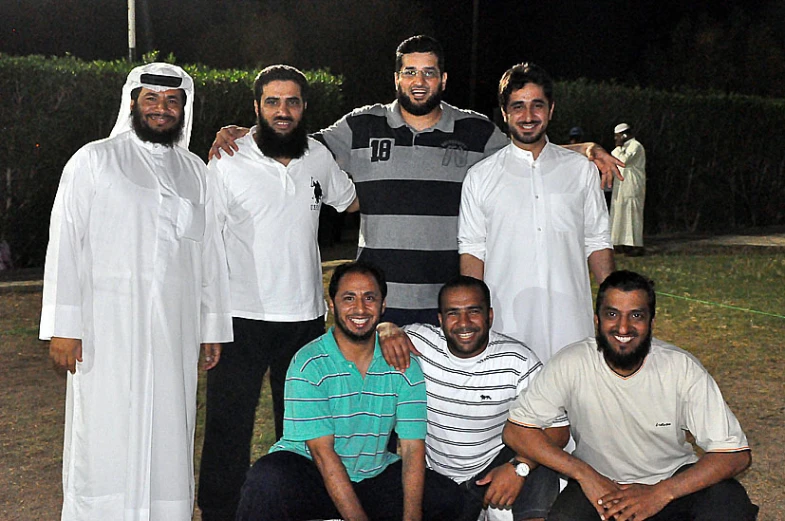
(233,389)
(284,486)
(724,501)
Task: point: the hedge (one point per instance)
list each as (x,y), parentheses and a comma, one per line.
(715,162)
(52,106)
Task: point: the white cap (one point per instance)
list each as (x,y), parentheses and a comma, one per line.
(621,127)
(157,77)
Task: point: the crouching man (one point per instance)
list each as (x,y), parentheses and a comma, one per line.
(342,400)
(631,400)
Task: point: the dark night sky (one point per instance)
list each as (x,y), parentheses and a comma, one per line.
(595,39)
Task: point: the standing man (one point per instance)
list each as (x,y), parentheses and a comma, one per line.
(472,376)
(408,160)
(135,280)
(531,216)
(630,194)
(631,401)
(342,401)
(268,198)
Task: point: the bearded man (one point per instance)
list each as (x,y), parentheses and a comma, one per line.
(268,198)
(135,280)
(408,159)
(631,401)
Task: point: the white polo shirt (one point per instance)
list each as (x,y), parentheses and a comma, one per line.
(269,214)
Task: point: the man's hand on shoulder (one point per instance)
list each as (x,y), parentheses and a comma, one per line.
(225,140)
(504,485)
(635,502)
(65,352)
(396,345)
(606,163)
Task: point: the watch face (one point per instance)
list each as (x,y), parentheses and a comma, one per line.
(522,469)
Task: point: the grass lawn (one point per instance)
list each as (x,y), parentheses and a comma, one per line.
(698,293)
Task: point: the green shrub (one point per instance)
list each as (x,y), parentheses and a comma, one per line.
(713,162)
(53,106)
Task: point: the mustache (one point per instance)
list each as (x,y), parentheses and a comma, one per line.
(283,118)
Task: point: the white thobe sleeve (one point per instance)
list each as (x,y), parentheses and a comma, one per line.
(216,307)
(596,224)
(472,232)
(61,310)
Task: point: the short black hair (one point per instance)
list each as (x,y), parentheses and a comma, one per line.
(280,73)
(627,281)
(419,43)
(517,76)
(365,268)
(464,281)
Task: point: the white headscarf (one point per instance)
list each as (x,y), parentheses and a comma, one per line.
(157,77)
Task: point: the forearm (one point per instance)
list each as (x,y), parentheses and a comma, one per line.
(601,264)
(413,477)
(533,444)
(339,486)
(712,468)
(472,266)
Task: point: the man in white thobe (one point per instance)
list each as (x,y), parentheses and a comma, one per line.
(531,217)
(135,280)
(630,194)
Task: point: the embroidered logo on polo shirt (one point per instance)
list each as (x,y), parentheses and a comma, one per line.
(484,397)
(317,193)
(381,149)
(455,152)
(662,424)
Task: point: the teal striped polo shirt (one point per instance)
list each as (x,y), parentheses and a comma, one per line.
(326,395)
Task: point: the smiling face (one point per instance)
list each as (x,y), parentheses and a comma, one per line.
(527,115)
(281,106)
(420,83)
(466,321)
(357,307)
(624,329)
(157,116)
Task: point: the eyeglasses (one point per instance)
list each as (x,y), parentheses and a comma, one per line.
(428,74)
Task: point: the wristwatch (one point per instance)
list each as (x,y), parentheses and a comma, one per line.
(521,468)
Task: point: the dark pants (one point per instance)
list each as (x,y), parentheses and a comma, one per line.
(233,388)
(404,317)
(284,486)
(537,495)
(725,501)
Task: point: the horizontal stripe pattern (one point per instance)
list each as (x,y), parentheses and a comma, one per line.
(469,399)
(325,395)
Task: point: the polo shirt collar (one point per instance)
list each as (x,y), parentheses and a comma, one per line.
(332,346)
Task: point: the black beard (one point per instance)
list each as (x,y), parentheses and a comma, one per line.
(419,110)
(145,133)
(623,362)
(354,337)
(272,144)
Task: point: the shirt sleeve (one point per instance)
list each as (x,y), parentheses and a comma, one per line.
(216,311)
(709,418)
(543,403)
(472,232)
(61,311)
(411,410)
(596,224)
(496,142)
(340,189)
(338,138)
(307,414)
